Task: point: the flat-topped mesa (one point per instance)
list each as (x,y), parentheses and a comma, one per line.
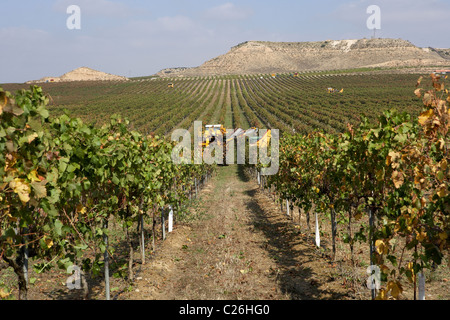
(329,44)
(82,74)
(252,57)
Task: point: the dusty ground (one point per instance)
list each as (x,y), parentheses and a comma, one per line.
(234,243)
(240,246)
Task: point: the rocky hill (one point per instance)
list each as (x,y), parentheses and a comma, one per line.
(82,74)
(171,71)
(278,57)
(444,53)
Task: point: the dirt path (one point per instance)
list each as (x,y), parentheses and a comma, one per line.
(240,246)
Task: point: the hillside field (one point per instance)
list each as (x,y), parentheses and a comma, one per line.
(285,102)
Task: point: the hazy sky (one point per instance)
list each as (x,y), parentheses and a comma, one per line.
(137,37)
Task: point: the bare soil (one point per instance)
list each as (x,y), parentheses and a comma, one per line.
(233,243)
(240,246)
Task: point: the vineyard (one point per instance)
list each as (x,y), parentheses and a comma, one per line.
(81,192)
(63,181)
(394,174)
(287,103)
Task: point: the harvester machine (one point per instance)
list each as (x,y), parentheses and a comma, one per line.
(217,131)
(213,132)
(332,90)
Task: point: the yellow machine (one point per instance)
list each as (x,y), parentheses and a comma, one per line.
(213,131)
(332,90)
(264,141)
(170,85)
(261,142)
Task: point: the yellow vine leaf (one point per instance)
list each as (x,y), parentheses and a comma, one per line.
(31,137)
(442,192)
(384,269)
(419,81)
(358,216)
(423,202)
(22,188)
(427,99)
(40,191)
(81,209)
(3,294)
(381,247)
(421,236)
(444,164)
(382,295)
(411,268)
(395,288)
(388,160)
(442,106)
(3,101)
(419,179)
(10,161)
(49,243)
(438,86)
(379,174)
(441,143)
(397,178)
(10,217)
(33,176)
(392,158)
(425,116)
(418,92)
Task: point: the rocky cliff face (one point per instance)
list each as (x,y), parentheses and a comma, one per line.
(171,71)
(276,57)
(444,53)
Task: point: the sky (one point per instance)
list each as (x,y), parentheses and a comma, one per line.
(140,37)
